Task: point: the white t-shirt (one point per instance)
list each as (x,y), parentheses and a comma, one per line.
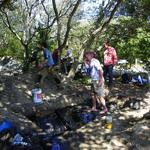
(95,66)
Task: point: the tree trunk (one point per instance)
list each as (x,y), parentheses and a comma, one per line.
(99,29)
(73,70)
(62,43)
(26,59)
(96,31)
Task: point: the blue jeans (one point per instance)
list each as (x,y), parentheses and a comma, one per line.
(108,70)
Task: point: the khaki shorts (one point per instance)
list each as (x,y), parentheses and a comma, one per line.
(99,90)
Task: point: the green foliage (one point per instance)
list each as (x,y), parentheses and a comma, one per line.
(143,43)
(86,80)
(7,4)
(136,46)
(44,35)
(130,35)
(10,46)
(137,8)
(131,38)
(77,37)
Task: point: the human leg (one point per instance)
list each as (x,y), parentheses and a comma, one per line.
(110,72)
(65,68)
(105,69)
(55,73)
(94,97)
(93,102)
(44,74)
(100,97)
(102,100)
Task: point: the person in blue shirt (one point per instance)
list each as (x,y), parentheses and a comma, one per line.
(48,59)
(47,63)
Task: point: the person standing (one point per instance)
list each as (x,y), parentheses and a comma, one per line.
(68,60)
(110,59)
(96,74)
(55,56)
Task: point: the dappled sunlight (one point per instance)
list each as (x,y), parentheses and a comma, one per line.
(21,86)
(47,50)
(135,114)
(1,104)
(93,135)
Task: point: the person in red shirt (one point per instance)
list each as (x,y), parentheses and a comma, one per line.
(55,56)
(110,59)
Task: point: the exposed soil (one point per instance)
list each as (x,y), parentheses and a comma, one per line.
(131,126)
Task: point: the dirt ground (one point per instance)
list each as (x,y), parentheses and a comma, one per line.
(131,127)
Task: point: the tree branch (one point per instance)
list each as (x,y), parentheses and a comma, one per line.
(98,29)
(7,23)
(58,23)
(69,22)
(42,2)
(35,4)
(101,14)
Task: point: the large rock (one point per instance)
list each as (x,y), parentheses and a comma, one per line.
(18,120)
(141,136)
(9,65)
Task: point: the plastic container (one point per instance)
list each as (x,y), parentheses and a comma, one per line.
(37,95)
(56,144)
(108,124)
(86,117)
(6,125)
(17,139)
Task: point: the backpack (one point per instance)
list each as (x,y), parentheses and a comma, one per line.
(126,78)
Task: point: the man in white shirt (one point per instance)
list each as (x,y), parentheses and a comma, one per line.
(96,74)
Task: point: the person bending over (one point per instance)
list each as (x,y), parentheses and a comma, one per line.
(96,74)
